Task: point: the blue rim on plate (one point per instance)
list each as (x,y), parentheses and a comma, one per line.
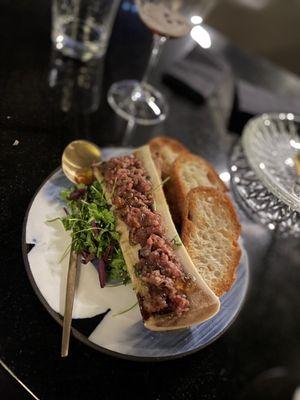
(120,336)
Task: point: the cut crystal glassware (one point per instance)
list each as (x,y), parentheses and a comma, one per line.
(271,143)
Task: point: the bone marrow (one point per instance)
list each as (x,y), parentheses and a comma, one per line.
(160,271)
(170,291)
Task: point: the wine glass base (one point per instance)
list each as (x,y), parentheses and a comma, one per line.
(137,102)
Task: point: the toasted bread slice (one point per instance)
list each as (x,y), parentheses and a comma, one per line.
(164,151)
(190,171)
(210,233)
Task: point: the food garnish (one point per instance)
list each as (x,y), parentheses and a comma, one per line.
(93,229)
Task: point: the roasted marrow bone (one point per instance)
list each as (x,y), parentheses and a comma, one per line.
(171,293)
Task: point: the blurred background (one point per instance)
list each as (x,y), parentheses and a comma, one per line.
(269,28)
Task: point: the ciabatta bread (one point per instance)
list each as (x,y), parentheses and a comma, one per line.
(164,151)
(210,234)
(188,172)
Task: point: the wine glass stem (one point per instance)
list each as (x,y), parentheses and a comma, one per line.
(158,42)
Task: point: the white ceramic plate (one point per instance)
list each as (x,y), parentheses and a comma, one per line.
(99,317)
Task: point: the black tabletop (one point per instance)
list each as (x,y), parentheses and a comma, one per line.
(39,114)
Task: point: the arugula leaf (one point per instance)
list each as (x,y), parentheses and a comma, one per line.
(93,228)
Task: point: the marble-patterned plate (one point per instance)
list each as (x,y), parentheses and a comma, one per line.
(101,316)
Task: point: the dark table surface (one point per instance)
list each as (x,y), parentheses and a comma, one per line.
(259,356)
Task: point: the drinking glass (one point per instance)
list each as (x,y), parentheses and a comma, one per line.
(139,102)
(81,28)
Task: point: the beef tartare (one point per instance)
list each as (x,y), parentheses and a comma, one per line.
(158,268)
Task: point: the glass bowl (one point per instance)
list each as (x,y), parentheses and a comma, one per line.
(257,201)
(270,143)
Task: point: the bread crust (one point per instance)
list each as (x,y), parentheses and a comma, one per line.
(194,224)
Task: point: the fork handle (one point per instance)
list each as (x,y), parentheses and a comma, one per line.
(70,292)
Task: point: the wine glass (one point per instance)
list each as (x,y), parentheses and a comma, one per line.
(140,102)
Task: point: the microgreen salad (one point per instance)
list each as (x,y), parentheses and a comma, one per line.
(93,229)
